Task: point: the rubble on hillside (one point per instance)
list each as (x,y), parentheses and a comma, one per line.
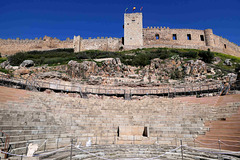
(111,71)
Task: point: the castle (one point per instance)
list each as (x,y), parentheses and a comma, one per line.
(135,36)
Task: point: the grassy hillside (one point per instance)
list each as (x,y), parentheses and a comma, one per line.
(138,57)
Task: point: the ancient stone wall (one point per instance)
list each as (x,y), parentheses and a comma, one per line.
(12,46)
(187,38)
(165,36)
(135,36)
(103,44)
(225,46)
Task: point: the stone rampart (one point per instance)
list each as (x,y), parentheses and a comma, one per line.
(187,38)
(103,44)
(12,46)
(225,46)
(165,36)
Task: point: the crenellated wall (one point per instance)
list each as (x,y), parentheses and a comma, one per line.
(12,46)
(134,37)
(173,38)
(187,38)
(103,44)
(166,36)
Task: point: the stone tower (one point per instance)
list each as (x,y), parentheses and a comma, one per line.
(209,37)
(77,43)
(133,29)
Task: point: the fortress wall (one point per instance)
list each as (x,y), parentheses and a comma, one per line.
(166,36)
(94,44)
(214,42)
(12,46)
(107,44)
(225,46)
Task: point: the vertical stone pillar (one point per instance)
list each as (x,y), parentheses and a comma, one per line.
(77,43)
(209,37)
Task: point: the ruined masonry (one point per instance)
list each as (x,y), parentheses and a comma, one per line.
(135,36)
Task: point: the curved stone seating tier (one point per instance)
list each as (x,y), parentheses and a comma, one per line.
(135,152)
(159,120)
(165,90)
(227,130)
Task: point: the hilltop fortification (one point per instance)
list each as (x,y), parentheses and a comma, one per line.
(135,36)
(11,46)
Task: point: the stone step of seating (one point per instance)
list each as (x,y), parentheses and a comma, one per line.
(33,137)
(126,153)
(28,127)
(215,140)
(213,143)
(225,128)
(222,137)
(228,125)
(18,151)
(223,131)
(19,147)
(216,146)
(28,132)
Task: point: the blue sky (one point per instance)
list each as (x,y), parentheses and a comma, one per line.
(104,18)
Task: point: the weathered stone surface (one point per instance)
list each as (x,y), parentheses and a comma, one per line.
(5,65)
(94,80)
(31,149)
(216,60)
(27,63)
(22,71)
(53,75)
(228,62)
(110,67)
(82,70)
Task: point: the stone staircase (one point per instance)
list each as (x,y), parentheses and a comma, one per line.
(226,130)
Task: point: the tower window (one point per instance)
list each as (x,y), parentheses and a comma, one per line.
(157,36)
(189,37)
(225,46)
(174,36)
(202,37)
(145,132)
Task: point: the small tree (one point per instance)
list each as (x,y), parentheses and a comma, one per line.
(206,56)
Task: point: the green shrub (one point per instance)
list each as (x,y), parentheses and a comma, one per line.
(209,76)
(82,55)
(2,59)
(206,56)
(41,57)
(190,54)
(17,59)
(141,59)
(4,71)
